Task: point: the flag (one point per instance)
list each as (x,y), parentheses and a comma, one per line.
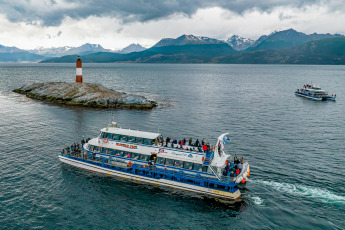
(226,138)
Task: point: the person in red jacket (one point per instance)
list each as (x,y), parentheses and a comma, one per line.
(204,148)
(237,171)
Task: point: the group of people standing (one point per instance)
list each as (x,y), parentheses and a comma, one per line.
(184,144)
(233,169)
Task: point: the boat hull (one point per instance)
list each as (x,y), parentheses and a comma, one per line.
(310,97)
(158,182)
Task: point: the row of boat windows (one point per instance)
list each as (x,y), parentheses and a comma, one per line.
(119,137)
(159,160)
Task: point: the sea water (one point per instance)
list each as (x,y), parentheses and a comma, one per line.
(295,147)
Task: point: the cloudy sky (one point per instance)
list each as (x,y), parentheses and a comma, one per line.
(114,24)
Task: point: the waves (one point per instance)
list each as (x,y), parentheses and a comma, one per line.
(320,194)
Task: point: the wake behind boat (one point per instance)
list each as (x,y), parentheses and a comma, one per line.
(315,93)
(147,157)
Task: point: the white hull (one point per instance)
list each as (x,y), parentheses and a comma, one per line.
(309,97)
(162,182)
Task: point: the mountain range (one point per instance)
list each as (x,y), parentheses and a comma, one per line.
(288,46)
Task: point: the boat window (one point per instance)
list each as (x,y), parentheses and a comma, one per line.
(140,140)
(127,155)
(209,170)
(119,153)
(135,156)
(123,138)
(103,134)
(188,165)
(116,137)
(197,167)
(148,141)
(112,152)
(91,147)
(204,169)
(109,135)
(169,162)
(144,157)
(131,139)
(103,150)
(160,160)
(178,164)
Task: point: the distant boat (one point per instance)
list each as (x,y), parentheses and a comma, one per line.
(315,93)
(146,157)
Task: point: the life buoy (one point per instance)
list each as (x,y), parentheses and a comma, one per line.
(130,164)
(105,140)
(243,181)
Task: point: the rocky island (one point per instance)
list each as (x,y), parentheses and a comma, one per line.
(84,94)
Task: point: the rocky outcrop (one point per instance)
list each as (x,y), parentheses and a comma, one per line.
(84,94)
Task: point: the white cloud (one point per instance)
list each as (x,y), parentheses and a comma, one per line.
(214,22)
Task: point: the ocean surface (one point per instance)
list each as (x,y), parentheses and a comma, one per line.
(295,147)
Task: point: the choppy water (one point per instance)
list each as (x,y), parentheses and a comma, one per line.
(295,148)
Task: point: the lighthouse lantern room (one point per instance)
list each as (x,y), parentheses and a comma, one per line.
(79,73)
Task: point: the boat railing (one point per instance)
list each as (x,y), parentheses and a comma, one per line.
(146,168)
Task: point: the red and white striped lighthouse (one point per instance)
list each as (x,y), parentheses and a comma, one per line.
(79,72)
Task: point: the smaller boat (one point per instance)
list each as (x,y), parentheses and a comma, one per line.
(315,93)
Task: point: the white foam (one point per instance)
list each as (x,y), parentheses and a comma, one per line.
(257,200)
(302,190)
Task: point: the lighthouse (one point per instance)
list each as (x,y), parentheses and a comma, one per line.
(79,74)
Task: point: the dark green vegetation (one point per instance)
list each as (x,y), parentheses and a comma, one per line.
(326,51)
(199,53)
(282,47)
(322,52)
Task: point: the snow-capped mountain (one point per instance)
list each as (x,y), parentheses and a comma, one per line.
(67,50)
(239,43)
(187,40)
(132,48)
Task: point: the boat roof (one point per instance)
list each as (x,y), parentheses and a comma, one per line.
(132,133)
(316,90)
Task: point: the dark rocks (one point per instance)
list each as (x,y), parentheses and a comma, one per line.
(84,94)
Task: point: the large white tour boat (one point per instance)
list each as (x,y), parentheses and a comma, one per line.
(146,157)
(315,93)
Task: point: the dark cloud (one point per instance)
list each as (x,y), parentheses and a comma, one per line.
(52,12)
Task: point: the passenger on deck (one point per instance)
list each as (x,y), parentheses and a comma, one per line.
(190,141)
(237,171)
(240,166)
(235,159)
(226,170)
(82,142)
(156,142)
(242,160)
(204,148)
(197,143)
(232,175)
(203,142)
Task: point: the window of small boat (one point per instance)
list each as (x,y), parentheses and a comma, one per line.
(178,164)
(135,156)
(188,165)
(169,162)
(119,153)
(130,139)
(148,141)
(115,137)
(123,138)
(197,167)
(160,160)
(144,157)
